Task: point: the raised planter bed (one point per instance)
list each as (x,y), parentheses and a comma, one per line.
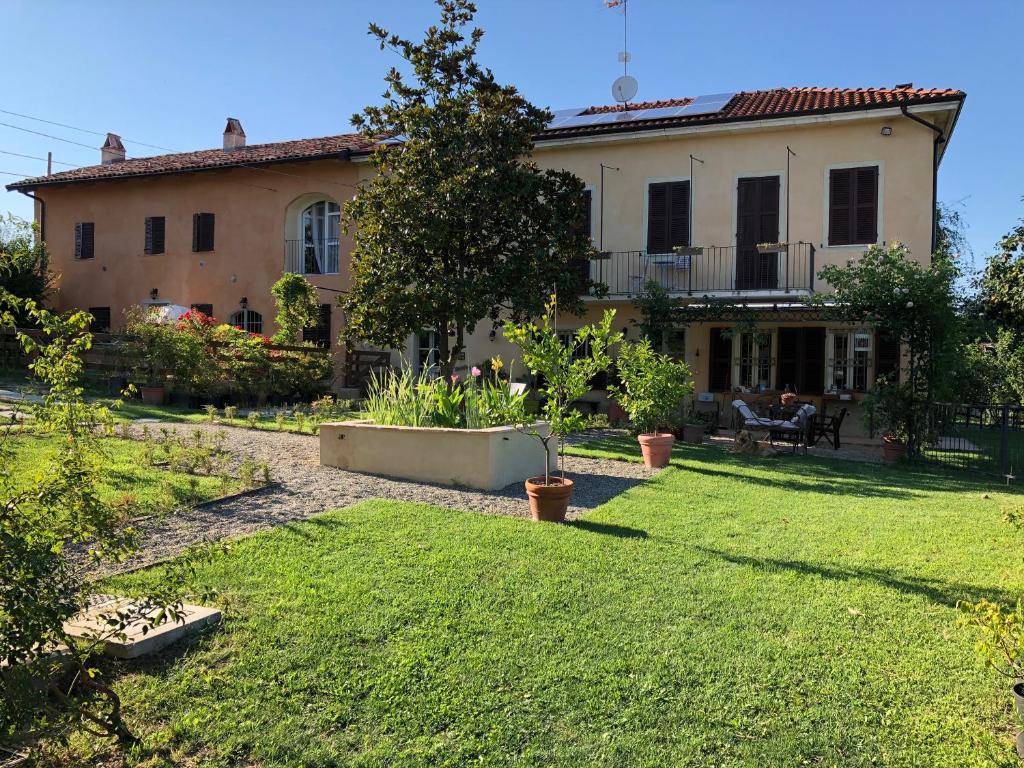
(489,459)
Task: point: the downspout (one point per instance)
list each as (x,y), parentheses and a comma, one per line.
(42,213)
(939,139)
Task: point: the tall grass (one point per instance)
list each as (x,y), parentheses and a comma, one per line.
(405,399)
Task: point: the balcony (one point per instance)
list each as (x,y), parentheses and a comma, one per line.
(311,258)
(719,271)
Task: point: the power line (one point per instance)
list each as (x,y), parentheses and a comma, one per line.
(83,130)
(12,173)
(33,157)
(47,135)
(237,165)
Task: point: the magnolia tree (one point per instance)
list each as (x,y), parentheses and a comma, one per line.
(913,303)
(457,226)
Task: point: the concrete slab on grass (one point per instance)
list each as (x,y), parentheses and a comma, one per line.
(136,642)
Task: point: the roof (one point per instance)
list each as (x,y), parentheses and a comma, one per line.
(206,159)
(743,106)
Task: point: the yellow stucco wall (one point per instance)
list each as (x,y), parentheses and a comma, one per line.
(256,211)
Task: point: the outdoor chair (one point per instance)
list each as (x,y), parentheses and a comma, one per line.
(794,430)
(828,428)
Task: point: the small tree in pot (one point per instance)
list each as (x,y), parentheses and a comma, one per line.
(651,390)
(566,375)
(890,407)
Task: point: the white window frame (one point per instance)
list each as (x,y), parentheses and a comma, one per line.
(879,208)
(328,241)
(432,358)
(855,343)
(244,318)
(737,351)
(567,337)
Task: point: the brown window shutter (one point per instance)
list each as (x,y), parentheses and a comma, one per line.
(320,334)
(657,218)
(155,227)
(679,214)
(887,356)
(85,240)
(668,216)
(78,241)
(202,231)
(720,369)
(840,196)
(583,228)
(865,203)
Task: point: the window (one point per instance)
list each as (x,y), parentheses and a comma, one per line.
(206,309)
(100,319)
(202,232)
(849,361)
(673,343)
(668,216)
(753,359)
(320,334)
(800,366)
(321,229)
(248,320)
(427,354)
(579,350)
(154,234)
(887,357)
(85,240)
(853,206)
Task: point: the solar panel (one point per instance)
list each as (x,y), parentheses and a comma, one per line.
(702,105)
(706,105)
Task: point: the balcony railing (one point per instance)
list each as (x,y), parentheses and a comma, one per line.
(306,258)
(713,270)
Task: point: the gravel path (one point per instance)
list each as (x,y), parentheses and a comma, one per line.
(306,488)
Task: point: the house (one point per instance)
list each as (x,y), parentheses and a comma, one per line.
(681,191)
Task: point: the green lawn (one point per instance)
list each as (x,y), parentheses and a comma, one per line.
(781,612)
(125,478)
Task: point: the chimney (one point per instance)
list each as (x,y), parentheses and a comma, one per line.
(112,150)
(234,136)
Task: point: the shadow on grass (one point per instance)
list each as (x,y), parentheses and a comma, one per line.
(936,590)
(608,529)
(811,473)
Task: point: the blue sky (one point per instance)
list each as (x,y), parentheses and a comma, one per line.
(169,73)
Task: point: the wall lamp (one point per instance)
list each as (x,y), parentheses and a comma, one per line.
(887,130)
(153,294)
(244,303)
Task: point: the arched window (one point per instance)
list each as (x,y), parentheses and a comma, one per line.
(248,320)
(321,227)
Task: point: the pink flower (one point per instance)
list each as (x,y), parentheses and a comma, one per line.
(475,371)
(455,378)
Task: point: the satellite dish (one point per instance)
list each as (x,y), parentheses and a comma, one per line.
(624,88)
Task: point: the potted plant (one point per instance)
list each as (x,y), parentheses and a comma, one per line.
(691,426)
(772,247)
(153,347)
(889,406)
(652,387)
(1001,645)
(689,250)
(565,376)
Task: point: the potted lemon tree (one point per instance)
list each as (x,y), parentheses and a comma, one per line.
(651,388)
(564,372)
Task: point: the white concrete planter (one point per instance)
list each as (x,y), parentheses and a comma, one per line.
(479,458)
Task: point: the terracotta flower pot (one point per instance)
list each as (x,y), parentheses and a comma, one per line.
(153,395)
(893,450)
(656,448)
(549,502)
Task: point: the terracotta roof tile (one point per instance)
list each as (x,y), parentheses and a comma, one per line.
(745,105)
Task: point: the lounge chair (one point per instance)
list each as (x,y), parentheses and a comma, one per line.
(794,430)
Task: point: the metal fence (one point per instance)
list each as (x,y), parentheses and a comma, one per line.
(979,437)
(708,270)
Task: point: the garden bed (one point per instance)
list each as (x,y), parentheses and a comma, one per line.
(489,458)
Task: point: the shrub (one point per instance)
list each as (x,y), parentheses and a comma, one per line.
(652,386)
